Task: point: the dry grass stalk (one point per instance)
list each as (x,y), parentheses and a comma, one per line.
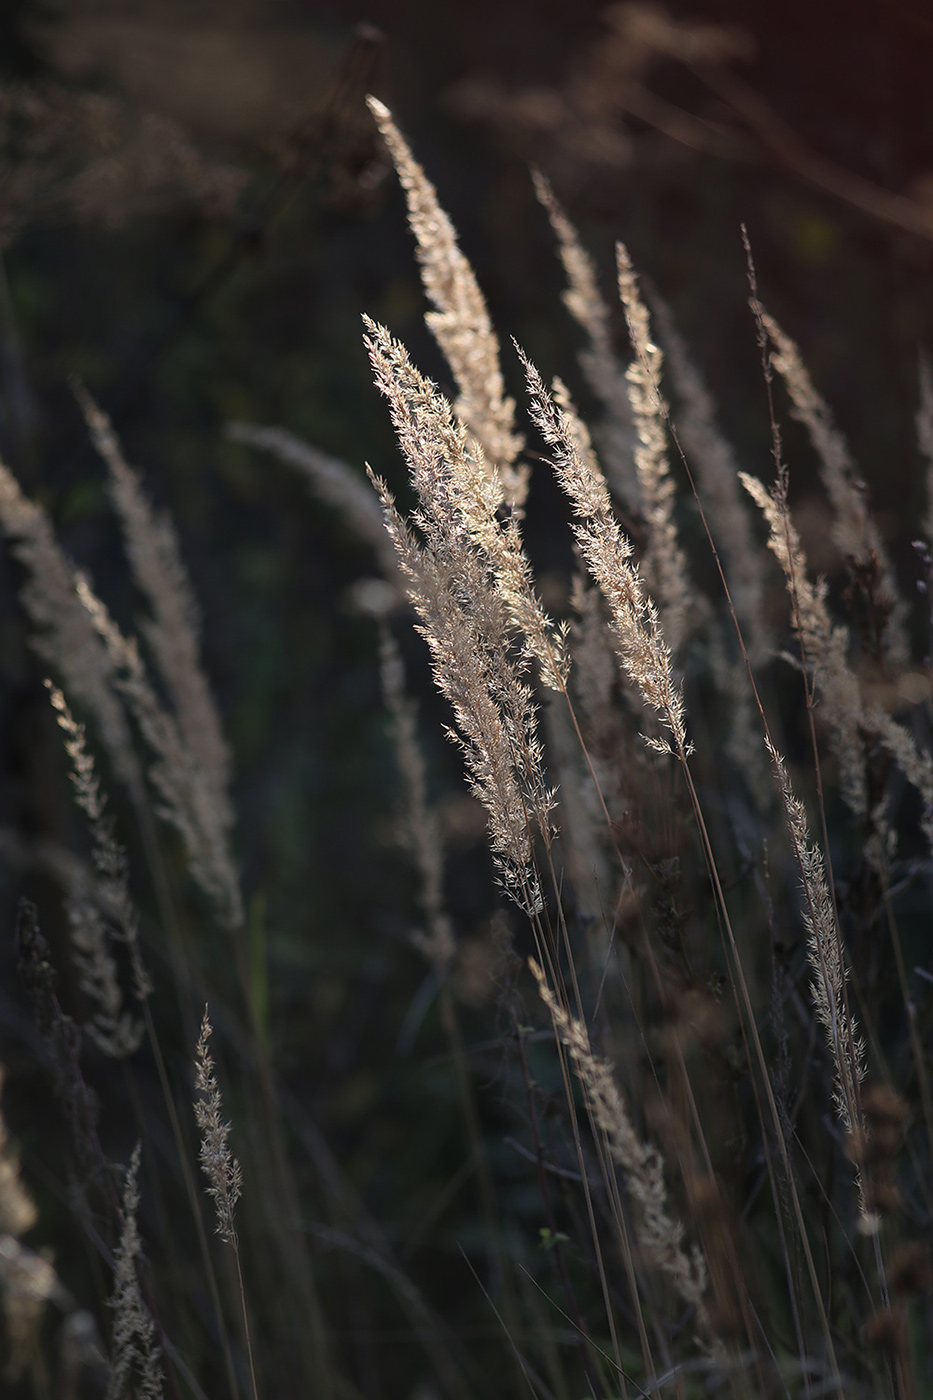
(460,322)
(591,860)
(916,765)
(582,297)
(172,630)
(493,708)
(187,803)
(853,531)
(665,562)
(135,1368)
(604,372)
(469,582)
(743,739)
(421,827)
(224,1176)
(824,644)
(458,495)
(660,1236)
(596,675)
(827,958)
(225,1179)
(717,476)
(576,428)
(469,632)
(636,626)
(64,636)
(331,480)
(112,1029)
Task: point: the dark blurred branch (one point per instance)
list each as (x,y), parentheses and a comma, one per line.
(613,80)
(696,132)
(780,140)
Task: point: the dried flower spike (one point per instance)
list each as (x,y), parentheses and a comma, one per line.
(853,531)
(664,562)
(829,972)
(106,913)
(172,629)
(188,802)
(225,1179)
(134,1347)
(637,632)
(460,323)
(604,371)
(466,577)
(421,830)
(659,1233)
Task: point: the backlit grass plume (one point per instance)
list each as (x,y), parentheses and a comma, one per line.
(224,1178)
(599,361)
(664,562)
(460,321)
(636,626)
(466,621)
(824,642)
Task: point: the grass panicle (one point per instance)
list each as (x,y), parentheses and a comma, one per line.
(460,320)
(135,1366)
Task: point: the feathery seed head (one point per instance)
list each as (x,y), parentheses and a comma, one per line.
(189,800)
(717,475)
(458,497)
(134,1351)
(601,366)
(824,645)
(665,562)
(460,322)
(172,633)
(421,825)
(827,958)
(582,297)
(660,1234)
(637,630)
(107,913)
(469,583)
(225,1179)
(853,531)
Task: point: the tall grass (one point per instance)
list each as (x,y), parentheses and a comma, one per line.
(710,815)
